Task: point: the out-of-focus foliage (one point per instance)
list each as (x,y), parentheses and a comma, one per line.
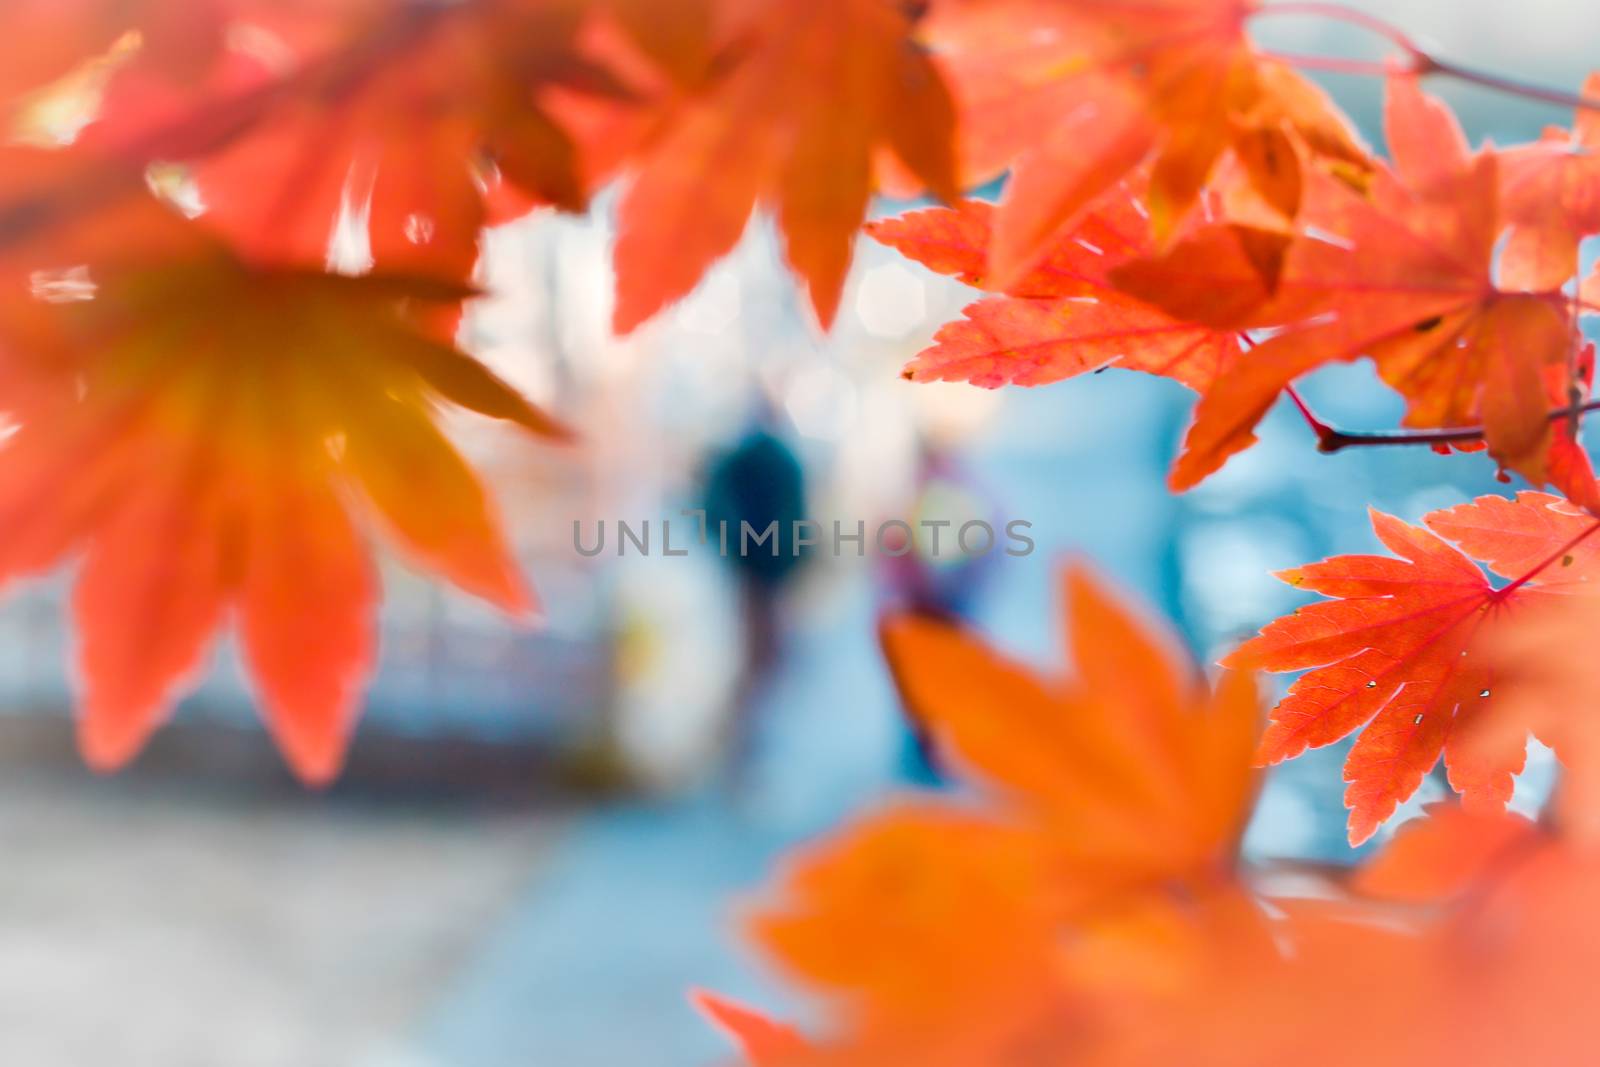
(236,237)
(1084,901)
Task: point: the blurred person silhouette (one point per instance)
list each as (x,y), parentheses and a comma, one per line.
(929,574)
(750,487)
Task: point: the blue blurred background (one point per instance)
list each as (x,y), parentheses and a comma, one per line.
(535,851)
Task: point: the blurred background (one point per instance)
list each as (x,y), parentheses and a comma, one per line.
(543,835)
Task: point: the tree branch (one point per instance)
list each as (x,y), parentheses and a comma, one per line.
(1418,60)
(1332,439)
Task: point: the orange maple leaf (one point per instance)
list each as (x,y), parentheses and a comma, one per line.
(1063,317)
(1469,940)
(1398,652)
(1400,273)
(1111,796)
(1135,740)
(762,1041)
(1089,908)
(1513,960)
(212,436)
(818,90)
(400,122)
(1074,95)
(1444,855)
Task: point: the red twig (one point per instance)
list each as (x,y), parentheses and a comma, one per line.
(1427,64)
(1342,13)
(1332,439)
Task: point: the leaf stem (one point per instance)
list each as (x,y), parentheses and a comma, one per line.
(1419,60)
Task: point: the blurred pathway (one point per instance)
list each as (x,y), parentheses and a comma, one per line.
(590,967)
(150,922)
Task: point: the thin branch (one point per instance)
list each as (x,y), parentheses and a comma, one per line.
(1428,64)
(1418,59)
(1332,439)
(1344,13)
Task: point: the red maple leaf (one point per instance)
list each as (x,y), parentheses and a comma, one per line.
(1399,271)
(1106,794)
(1063,317)
(1074,95)
(1398,654)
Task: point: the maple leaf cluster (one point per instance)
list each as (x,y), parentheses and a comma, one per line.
(1085,901)
(1181,203)
(218,422)
(1316,254)
(236,242)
